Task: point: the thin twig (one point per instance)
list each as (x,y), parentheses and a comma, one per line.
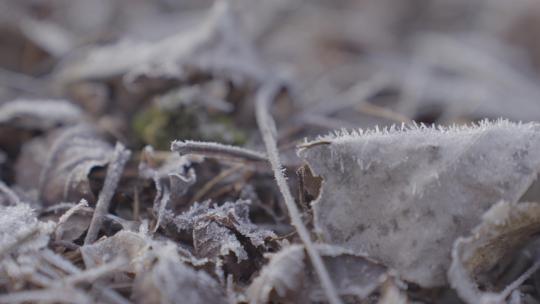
(91,275)
(136,204)
(265,122)
(114,172)
(11,196)
(216,150)
(66,266)
(65,217)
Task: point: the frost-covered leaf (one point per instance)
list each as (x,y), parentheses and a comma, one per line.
(171,179)
(115,169)
(169,280)
(289,276)
(392,294)
(74,153)
(283,275)
(214,47)
(124,244)
(215,229)
(404,196)
(39,114)
(21,231)
(30,162)
(505,229)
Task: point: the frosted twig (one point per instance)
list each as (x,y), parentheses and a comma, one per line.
(163,197)
(89,276)
(499,297)
(64,218)
(114,172)
(265,122)
(216,150)
(59,261)
(65,265)
(11,196)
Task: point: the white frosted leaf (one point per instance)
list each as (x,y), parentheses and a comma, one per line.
(213,47)
(505,229)
(404,196)
(21,231)
(170,179)
(124,244)
(283,275)
(39,114)
(169,280)
(391,294)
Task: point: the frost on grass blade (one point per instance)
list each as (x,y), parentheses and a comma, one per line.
(74,153)
(289,277)
(505,229)
(404,196)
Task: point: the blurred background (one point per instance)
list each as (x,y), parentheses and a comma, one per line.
(347,63)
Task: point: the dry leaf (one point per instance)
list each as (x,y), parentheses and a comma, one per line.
(289,277)
(171,179)
(283,275)
(74,153)
(506,228)
(404,196)
(214,47)
(169,280)
(39,114)
(21,231)
(392,294)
